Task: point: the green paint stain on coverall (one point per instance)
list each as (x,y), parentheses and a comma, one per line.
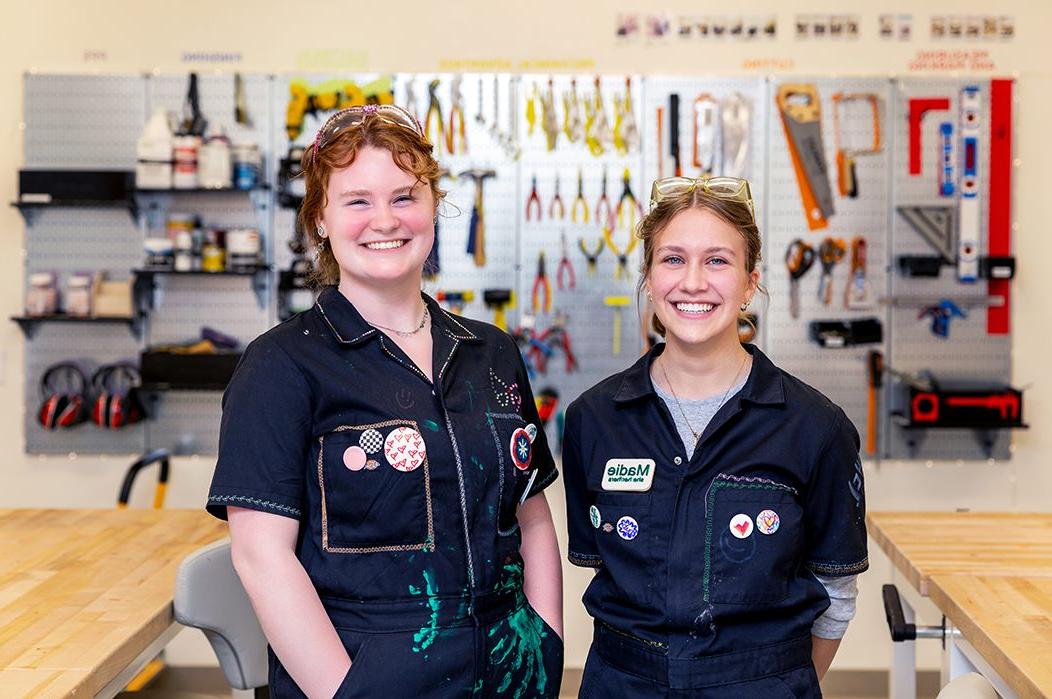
(521,648)
(428,633)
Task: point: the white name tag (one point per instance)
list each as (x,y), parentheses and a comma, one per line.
(628,474)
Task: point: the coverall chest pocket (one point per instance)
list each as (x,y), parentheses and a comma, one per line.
(625,541)
(753,532)
(375,489)
(513,455)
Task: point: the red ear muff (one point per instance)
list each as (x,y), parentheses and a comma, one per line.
(98,409)
(115,416)
(72,412)
(49,411)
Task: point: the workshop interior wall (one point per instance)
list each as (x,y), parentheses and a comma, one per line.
(112,37)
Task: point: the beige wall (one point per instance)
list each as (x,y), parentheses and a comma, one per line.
(133,37)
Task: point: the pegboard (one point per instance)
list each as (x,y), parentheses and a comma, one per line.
(94,121)
(840,373)
(968,357)
(590,323)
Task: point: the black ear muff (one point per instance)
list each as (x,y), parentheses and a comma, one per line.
(62,387)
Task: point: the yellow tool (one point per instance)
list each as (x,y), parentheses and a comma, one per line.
(579,201)
(617,303)
(596,125)
(549,122)
(456,120)
(332,94)
(591,256)
(456,299)
(847,184)
(626,133)
(622,256)
(434,110)
(627,204)
(572,126)
(498,300)
(531,110)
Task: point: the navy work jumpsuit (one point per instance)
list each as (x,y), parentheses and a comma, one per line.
(406,492)
(704,584)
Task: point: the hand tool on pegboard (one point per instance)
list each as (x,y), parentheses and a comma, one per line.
(455,299)
(735,116)
(847,175)
(541,295)
(948,151)
(434,115)
(573,125)
(935,224)
(533,201)
(918,107)
(592,256)
(622,255)
(941,314)
(549,122)
(999,213)
(673,134)
(659,121)
(706,142)
(498,301)
(799,258)
(626,132)
(616,303)
(627,204)
(801,114)
(830,252)
(579,202)
(856,291)
(456,137)
(241,116)
(565,266)
(874,382)
(556,208)
(968,205)
(477,228)
(995,408)
(603,209)
(835,334)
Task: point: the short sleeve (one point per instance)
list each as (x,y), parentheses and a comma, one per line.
(836,505)
(264,437)
(579,499)
(542,458)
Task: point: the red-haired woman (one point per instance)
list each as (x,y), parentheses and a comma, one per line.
(381,461)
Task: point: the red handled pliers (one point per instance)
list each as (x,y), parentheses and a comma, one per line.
(533,202)
(541,285)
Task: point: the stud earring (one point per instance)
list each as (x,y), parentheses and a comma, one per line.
(744,307)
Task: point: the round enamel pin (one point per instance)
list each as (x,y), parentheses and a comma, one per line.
(521,449)
(371,441)
(354,458)
(741,526)
(593,514)
(404,449)
(627,528)
(767,522)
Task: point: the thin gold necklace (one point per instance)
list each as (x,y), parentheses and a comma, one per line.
(405,333)
(723,400)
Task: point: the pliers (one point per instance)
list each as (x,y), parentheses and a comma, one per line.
(628,198)
(579,201)
(434,109)
(533,202)
(603,210)
(565,266)
(541,285)
(592,257)
(556,209)
(456,119)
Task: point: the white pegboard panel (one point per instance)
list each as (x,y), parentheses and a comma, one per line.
(103,239)
(968,356)
(458,271)
(186,422)
(840,374)
(590,321)
(753,93)
(82,121)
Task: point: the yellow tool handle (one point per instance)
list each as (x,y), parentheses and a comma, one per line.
(790,103)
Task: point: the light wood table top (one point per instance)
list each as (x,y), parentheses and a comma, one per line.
(84,592)
(1008,620)
(923,544)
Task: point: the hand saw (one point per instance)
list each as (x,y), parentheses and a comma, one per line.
(802,118)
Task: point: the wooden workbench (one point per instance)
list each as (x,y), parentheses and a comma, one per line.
(84,592)
(991,575)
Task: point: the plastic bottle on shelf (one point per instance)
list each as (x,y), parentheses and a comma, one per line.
(213,162)
(247,165)
(185,150)
(153,168)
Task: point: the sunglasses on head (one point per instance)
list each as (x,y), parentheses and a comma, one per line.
(355,116)
(729,188)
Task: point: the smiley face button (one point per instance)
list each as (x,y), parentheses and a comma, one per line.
(741,526)
(404,449)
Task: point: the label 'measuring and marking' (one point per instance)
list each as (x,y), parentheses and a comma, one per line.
(628,474)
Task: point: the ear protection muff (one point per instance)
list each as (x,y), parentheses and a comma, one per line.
(117,399)
(62,387)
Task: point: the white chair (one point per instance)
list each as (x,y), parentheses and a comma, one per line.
(970,686)
(209,596)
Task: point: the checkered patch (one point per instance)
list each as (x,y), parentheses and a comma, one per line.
(371,441)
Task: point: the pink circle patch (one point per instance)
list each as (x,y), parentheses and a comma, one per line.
(354,458)
(404,449)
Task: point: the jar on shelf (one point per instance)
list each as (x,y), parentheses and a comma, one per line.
(247,165)
(242,249)
(158,253)
(184,150)
(42,297)
(213,251)
(78,294)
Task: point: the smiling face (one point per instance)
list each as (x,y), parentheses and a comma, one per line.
(698,278)
(379,220)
